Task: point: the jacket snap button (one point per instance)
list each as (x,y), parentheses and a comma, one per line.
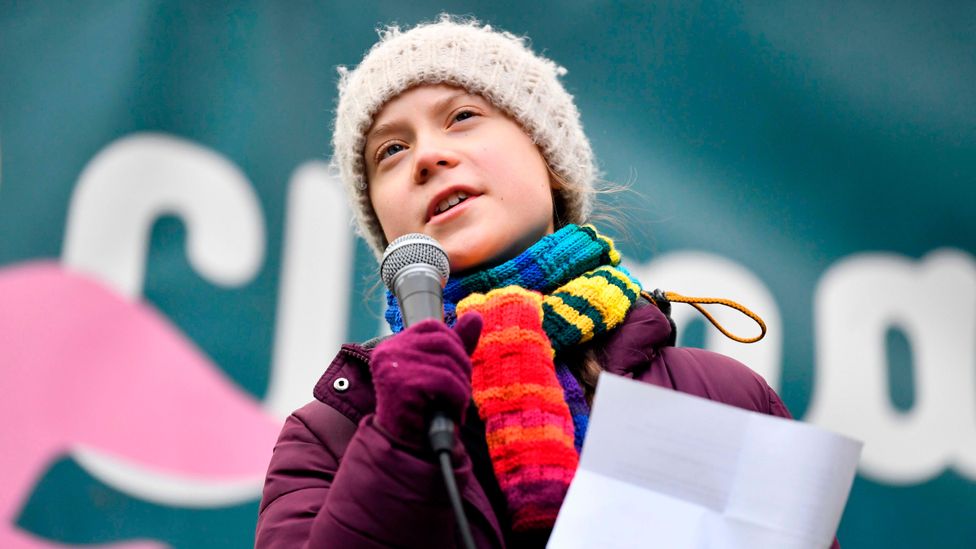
(341,384)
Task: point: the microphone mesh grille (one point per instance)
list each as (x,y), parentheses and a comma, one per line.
(411,249)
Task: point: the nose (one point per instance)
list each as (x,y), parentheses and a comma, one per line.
(431,160)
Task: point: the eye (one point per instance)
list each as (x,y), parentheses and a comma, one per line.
(389,150)
(463,115)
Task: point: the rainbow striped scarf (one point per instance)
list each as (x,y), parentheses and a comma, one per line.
(559,258)
(562,291)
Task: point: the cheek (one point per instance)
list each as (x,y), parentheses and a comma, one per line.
(529,187)
(518,164)
(384,205)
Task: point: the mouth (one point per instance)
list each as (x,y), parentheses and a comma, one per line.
(448,201)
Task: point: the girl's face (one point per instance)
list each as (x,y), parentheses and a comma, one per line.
(449,164)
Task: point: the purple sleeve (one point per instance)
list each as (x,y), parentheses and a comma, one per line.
(299,477)
(381,493)
(369,494)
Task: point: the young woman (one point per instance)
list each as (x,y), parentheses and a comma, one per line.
(462,133)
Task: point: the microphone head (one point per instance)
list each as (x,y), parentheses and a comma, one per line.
(413,249)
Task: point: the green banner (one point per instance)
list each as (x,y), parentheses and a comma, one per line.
(177,264)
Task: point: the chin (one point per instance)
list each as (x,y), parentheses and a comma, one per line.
(468,258)
(463,265)
(478,250)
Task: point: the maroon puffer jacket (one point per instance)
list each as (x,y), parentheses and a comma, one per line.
(335,481)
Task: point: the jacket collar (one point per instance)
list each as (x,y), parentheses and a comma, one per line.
(347,384)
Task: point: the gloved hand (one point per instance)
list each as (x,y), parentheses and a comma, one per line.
(425,368)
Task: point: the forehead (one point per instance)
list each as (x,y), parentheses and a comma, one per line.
(420,100)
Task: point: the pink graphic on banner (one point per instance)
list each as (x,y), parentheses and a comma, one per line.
(79,365)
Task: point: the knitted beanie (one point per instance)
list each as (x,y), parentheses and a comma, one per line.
(496,65)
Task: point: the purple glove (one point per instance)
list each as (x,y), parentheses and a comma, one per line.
(425,368)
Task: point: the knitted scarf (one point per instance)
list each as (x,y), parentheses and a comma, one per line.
(562,291)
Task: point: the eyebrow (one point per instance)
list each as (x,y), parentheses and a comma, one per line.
(439,105)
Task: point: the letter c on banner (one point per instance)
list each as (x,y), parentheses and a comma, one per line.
(136,179)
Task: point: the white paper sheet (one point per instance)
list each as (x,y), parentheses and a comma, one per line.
(661,468)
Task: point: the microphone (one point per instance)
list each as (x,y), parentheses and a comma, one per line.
(415,268)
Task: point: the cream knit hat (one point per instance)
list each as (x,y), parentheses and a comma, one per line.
(496,65)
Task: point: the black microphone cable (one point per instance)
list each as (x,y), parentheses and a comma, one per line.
(441,435)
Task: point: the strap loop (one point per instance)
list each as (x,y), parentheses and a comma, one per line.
(697,303)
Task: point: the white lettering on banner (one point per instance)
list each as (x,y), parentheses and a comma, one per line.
(135,180)
(316,283)
(933,301)
(123,190)
(705,274)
